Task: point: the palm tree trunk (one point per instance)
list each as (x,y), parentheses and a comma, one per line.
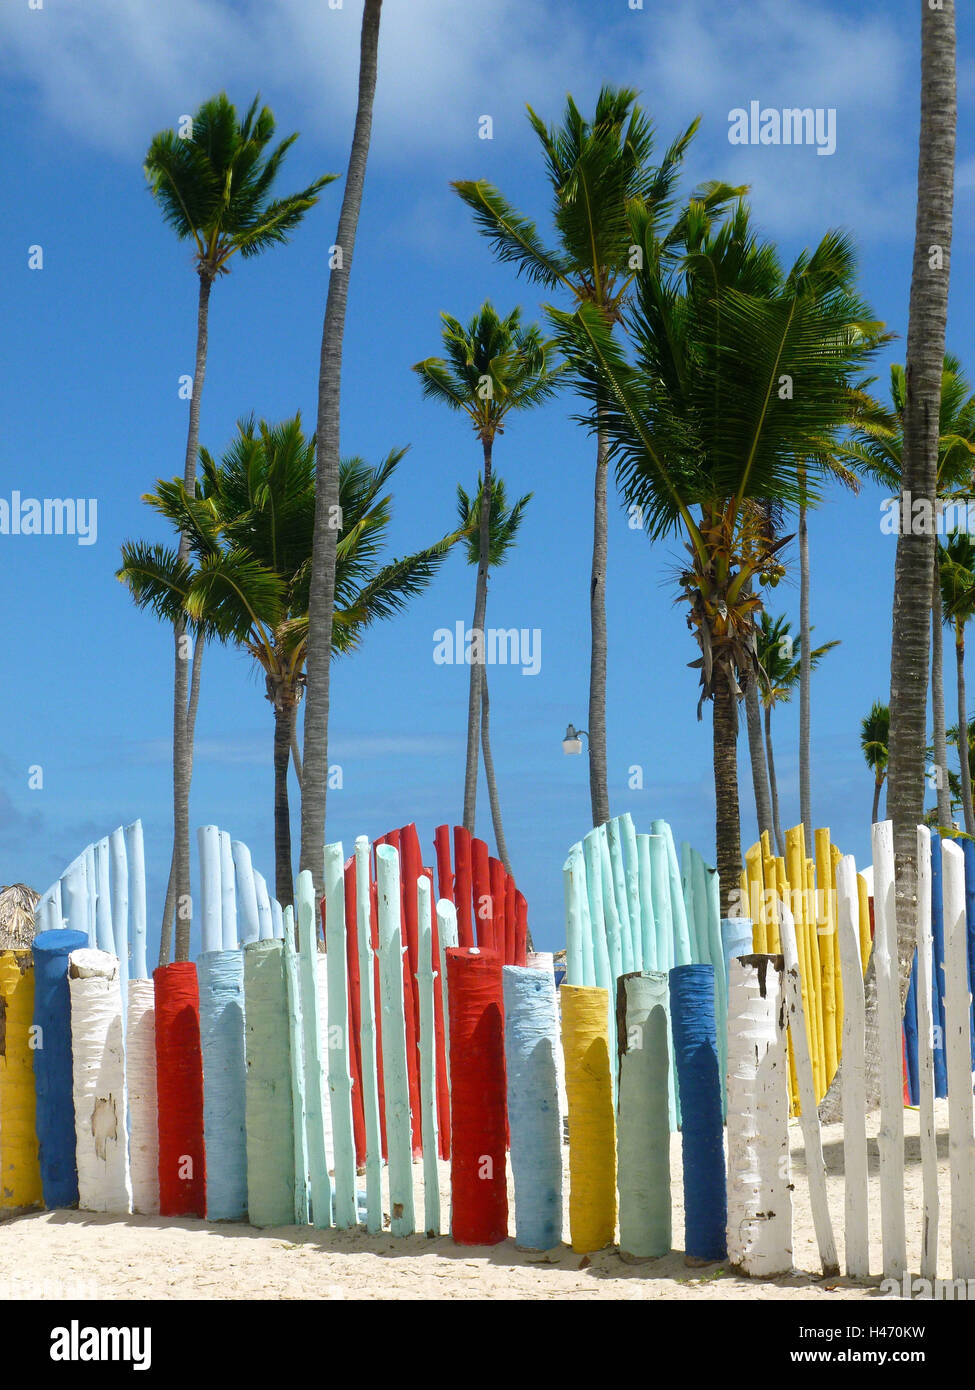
(295,754)
(479,643)
(966,771)
(598,776)
(909,659)
(756,751)
(492,785)
(877,788)
(805,792)
(284,723)
(322,588)
(182,738)
(182,779)
(938,700)
(773,784)
(727,824)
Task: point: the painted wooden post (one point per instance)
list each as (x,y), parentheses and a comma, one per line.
(20,1173)
(249,924)
(643,1120)
(937,961)
(682,940)
(269,1110)
(462,885)
(891,1135)
(428,1056)
(339,1074)
(612,925)
(648,927)
(296,1034)
(138,912)
(277,920)
(140,1076)
(98,1081)
(531,1044)
(663,915)
(925,1041)
(695,1046)
(606,967)
(759,1176)
(614,846)
(367,1032)
(221,981)
(228,895)
(863,905)
(826,931)
(104,936)
(958,1056)
(211,889)
(632,858)
(573,886)
(447,929)
(179,1088)
(478,1178)
(854,1074)
(811,1132)
(119,874)
(53,1074)
(319,1185)
(592,1125)
(399,1141)
(264,916)
(321,990)
(91,893)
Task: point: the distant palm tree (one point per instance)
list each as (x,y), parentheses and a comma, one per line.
(956,560)
(213,183)
(505,523)
(246,582)
(328,521)
(779,660)
(492,367)
(874,740)
(600,173)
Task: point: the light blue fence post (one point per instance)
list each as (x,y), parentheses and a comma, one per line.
(296,1026)
(249,925)
(367,1039)
(339,1073)
(119,873)
(531,1040)
(138,907)
(399,1143)
(321,1188)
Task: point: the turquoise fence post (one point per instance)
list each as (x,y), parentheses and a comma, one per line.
(682,940)
(264,916)
(104,933)
(367,1038)
(138,907)
(228,895)
(690,901)
(269,1116)
(296,1039)
(119,874)
(611,918)
(399,1142)
(223,1047)
(248,918)
(615,849)
(605,970)
(321,1187)
(648,922)
(643,1122)
(531,1041)
(339,1073)
(428,1057)
(631,856)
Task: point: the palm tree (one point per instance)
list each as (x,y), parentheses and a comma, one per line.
(877,449)
(701,422)
(505,523)
(914,565)
(780,663)
(957,573)
(214,185)
(493,366)
(328,516)
(250,530)
(874,740)
(599,171)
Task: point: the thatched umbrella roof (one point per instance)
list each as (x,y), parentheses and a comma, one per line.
(17,905)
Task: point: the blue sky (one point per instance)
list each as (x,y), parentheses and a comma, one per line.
(96,341)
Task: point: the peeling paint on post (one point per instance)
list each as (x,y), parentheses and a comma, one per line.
(98,1054)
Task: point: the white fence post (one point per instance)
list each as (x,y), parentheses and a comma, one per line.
(854,1073)
(958,1057)
(925,1060)
(889,1022)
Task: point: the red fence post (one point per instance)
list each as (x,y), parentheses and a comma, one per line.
(521,929)
(462,885)
(498,895)
(483,907)
(179,1083)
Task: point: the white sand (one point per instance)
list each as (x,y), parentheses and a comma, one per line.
(81,1254)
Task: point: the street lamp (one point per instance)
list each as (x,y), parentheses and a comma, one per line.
(572,743)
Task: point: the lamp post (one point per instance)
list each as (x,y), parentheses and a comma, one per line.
(572,742)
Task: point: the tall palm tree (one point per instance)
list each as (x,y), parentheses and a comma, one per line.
(914,565)
(328,516)
(214,185)
(874,740)
(598,170)
(492,367)
(957,573)
(780,663)
(700,424)
(877,450)
(250,529)
(505,523)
